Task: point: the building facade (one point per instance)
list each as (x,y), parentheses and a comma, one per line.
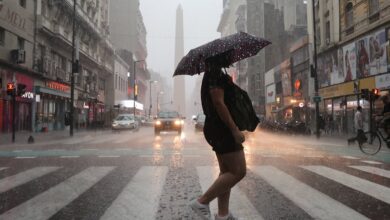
(128,32)
(354,58)
(16,62)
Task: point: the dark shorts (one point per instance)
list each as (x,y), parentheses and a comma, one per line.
(219,137)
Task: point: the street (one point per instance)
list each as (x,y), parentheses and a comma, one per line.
(135,175)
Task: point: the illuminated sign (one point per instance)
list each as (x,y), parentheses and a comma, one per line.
(57,86)
(28,95)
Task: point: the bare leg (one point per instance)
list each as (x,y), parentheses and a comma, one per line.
(223,199)
(235,166)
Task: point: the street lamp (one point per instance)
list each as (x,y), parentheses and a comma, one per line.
(150,95)
(158,95)
(135,86)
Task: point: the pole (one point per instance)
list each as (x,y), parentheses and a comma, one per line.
(316,75)
(134,96)
(150,98)
(13,113)
(74,69)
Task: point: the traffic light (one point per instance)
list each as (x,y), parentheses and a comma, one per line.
(375,93)
(365,94)
(21,89)
(10,89)
(135,92)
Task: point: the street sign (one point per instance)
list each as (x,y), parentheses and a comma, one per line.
(317,99)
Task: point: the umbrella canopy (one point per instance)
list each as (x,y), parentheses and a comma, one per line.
(239,46)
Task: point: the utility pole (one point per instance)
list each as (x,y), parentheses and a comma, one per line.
(315,73)
(75,66)
(135,86)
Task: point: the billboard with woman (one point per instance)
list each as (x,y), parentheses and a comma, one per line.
(349,62)
(378,56)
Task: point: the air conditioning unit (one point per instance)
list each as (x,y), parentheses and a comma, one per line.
(18,56)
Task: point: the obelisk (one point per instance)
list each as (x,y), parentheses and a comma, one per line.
(179,91)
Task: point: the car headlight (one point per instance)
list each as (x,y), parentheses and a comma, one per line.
(177,122)
(158,122)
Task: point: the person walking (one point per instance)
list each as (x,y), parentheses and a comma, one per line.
(225,138)
(358,119)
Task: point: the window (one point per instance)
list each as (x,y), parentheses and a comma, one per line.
(349,15)
(327,33)
(2,36)
(20,43)
(101,84)
(22,3)
(374,6)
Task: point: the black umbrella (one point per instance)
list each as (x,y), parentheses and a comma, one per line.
(239,46)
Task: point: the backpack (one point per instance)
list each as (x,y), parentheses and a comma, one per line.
(240,106)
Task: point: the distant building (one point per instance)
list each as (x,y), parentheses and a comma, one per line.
(179,92)
(128,32)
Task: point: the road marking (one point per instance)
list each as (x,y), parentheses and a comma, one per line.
(241,205)
(141,197)
(24,177)
(18,151)
(315,203)
(46,204)
(69,156)
(270,155)
(350,157)
(372,189)
(3,168)
(25,157)
(373,170)
(313,156)
(108,156)
(371,162)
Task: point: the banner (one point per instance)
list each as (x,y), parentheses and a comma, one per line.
(349,62)
(378,56)
(362,60)
(270,96)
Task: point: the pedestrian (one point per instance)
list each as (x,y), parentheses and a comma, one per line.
(225,138)
(358,119)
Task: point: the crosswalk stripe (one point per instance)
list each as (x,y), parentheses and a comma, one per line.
(373,170)
(140,198)
(48,203)
(372,189)
(315,203)
(3,168)
(350,157)
(371,162)
(241,205)
(16,180)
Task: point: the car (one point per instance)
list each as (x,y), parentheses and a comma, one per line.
(168,121)
(124,121)
(199,122)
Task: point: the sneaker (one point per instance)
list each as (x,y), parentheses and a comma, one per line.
(228,217)
(201,210)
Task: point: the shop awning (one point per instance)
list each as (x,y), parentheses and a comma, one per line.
(39,89)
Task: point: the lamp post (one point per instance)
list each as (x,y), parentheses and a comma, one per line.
(314,69)
(135,86)
(158,95)
(75,67)
(150,95)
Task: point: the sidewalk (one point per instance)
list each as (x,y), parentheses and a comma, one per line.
(39,137)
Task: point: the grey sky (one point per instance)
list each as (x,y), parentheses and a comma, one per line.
(201,19)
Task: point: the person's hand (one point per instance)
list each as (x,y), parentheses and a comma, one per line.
(238,136)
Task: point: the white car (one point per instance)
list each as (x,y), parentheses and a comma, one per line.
(124,121)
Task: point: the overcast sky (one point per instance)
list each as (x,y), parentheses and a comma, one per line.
(201,19)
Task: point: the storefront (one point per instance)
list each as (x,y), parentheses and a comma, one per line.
(23,116)
(52,104)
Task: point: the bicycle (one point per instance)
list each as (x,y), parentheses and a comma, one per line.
(373,144)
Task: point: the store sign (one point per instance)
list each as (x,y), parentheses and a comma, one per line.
(270,90)
(337,90)
(382,81)
(57,86)
(28,95)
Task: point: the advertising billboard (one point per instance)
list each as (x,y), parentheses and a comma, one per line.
(378,55)
(349,62)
